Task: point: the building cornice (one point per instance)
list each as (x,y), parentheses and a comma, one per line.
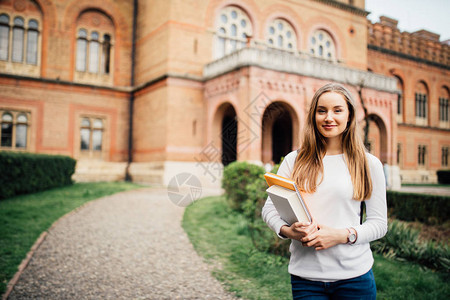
(124,89)
(346,7)
(423,127)
(407,56)
(287,62)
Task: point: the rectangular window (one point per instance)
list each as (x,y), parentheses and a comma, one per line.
(17,50)
(4,42)
(399,104)
(21,136)
(443,109)
(422,151)
(32,43)
(399,153)
(424,106)
(418,104)
(81,55)
(444,158)
(93,56)
(7,129)
(85,138)
(97,139)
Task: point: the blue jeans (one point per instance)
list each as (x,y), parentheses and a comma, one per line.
(362,287)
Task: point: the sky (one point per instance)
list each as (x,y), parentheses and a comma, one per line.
(413,15)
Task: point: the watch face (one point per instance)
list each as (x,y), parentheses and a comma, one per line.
(352,238)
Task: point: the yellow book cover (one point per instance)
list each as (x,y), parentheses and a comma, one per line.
(287,199)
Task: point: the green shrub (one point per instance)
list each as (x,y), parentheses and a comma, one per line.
(402,242)
(429,209)
(443,176)
(245,189)
(236,176)
(27,173)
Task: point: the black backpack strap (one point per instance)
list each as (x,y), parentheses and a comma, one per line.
(363,208)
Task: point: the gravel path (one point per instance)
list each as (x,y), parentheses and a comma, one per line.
(126,246)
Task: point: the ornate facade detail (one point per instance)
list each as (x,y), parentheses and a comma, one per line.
(306,66)
(422,45)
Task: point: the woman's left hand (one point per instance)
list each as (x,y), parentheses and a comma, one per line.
(325,237)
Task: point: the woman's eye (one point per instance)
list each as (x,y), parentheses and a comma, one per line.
(338,110)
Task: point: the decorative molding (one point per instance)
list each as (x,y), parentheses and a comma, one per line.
(422,127)
(407,56)
(346,7)
(301,65)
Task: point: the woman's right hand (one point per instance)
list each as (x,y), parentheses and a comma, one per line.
(298,230)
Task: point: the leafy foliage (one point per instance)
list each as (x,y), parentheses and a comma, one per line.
(429,209)
(28,173)
(245,189)
(402,242)
(250,201)
(236,176)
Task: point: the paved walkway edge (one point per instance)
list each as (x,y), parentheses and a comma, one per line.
(39,241)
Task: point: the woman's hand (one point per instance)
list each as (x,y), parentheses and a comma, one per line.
(325,237)
(298,230)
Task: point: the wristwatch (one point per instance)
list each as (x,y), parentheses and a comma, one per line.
(351,238)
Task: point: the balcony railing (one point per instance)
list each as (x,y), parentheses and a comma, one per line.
(298,64)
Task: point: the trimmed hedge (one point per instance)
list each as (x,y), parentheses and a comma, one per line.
(245,190)
(443,176)
(236,176)
(428,209)
(23,173)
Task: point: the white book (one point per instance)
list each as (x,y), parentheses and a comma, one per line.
(287,199)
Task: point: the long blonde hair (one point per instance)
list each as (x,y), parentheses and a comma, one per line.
(308,164)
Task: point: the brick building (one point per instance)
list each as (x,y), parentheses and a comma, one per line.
(150,89)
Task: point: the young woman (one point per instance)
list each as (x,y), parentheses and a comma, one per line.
(331,256)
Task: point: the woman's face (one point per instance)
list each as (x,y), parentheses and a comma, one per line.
(332,115)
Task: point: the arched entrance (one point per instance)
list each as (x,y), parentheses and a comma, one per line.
(278,131)
(229,136)
(225,133)
(378,138)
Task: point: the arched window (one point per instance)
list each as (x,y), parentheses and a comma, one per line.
(106,55)
(32,42)
(93,53)
(97,133)
(322,45)
(21,131)
(232,29)
(23,46)
(14,129)
(85,134)
(443,107)
(421,100)
(91,134)
(93,61)
(281,35)
(4,36)
(7,130)
(18,39)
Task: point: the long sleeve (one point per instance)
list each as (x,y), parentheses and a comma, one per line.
(375,226)
(269,212)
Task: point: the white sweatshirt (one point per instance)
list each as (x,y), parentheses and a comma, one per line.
(332,205)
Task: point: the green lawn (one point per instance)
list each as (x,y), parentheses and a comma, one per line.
(24,218)
(221,236)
